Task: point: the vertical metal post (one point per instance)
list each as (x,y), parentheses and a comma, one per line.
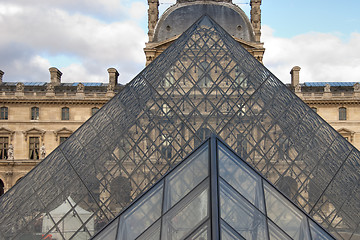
(214,194)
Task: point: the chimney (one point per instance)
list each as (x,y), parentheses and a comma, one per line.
(295,76)
(55,76)
(113,77)
(1,75)
(255,17)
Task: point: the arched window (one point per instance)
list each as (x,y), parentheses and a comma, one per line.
(1,187)
(34,113)
(65,113)
(94,110)
(342,113)
(3,113)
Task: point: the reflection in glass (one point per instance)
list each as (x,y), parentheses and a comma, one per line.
(203,233)
(240,177)
(317,233)
(141,215)
(153,233)
(229,234)
(189,175)
(109,233)
(285,215)
(276,233)
(187,214)
(240,215)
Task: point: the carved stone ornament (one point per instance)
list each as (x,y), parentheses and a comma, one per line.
(80,87)
(42,151)
(50,87)
(327,88)
(34,131)
(11,152)
(110,88)
(19,87)
(298,88)
(357,87)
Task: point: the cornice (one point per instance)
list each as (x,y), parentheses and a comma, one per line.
(332,101)
(68,101)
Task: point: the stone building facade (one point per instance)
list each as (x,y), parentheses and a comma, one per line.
(36,117)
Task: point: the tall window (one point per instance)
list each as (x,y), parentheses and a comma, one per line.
(3,113)
(342,113)
(34,113)
(65,113)
(94,110)
(34,147)
(4,146)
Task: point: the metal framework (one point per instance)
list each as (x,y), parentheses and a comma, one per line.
(204,83)
(212,194)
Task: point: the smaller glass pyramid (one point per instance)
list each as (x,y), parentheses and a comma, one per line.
(212,194)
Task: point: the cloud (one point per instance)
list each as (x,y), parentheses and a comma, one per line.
(36,32)
(323,57)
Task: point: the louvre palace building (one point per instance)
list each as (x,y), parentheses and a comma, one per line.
(204,143)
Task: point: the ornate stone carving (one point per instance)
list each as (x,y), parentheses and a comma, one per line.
(153,17)
(19,87)
(110,88)
(50,87)
(11,152)
(327,88)
(298,88)
(357,87)
(80,88)
(42,151)
(256,18)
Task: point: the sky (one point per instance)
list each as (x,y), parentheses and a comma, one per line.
(84,38)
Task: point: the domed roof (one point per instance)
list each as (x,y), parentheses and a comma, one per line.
(181,16)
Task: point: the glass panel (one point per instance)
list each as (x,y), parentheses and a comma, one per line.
(240,177)
(109,233)
(317,233)
(229,234)
(141,215)
(276,233)
(186,177)
(241,215)
(153,233)
(187,214)
(282,212)
(203,233)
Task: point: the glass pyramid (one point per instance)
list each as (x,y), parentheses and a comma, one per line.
(212,194)
(204,83)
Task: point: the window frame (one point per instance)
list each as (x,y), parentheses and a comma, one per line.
(35,150)
(4,151)
(35,113)
(342,113)
(65,113)
(4,113)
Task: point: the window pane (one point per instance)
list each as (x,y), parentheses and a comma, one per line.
(65,113)
(4,113)
(317,233)
(241,215)
(141,215)
(241,177)
(153,233)
(4,146)
(109,233)
(342,113)
(187,214)
(203,233)
(229,234)
(283,214)
(189,175)
(34,113)
(276,233)
(34,147)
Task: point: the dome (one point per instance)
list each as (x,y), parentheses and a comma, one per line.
(180,17)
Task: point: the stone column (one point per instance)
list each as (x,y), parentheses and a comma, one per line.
(153,17)
(55,76)
(1,76)
(255,15)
